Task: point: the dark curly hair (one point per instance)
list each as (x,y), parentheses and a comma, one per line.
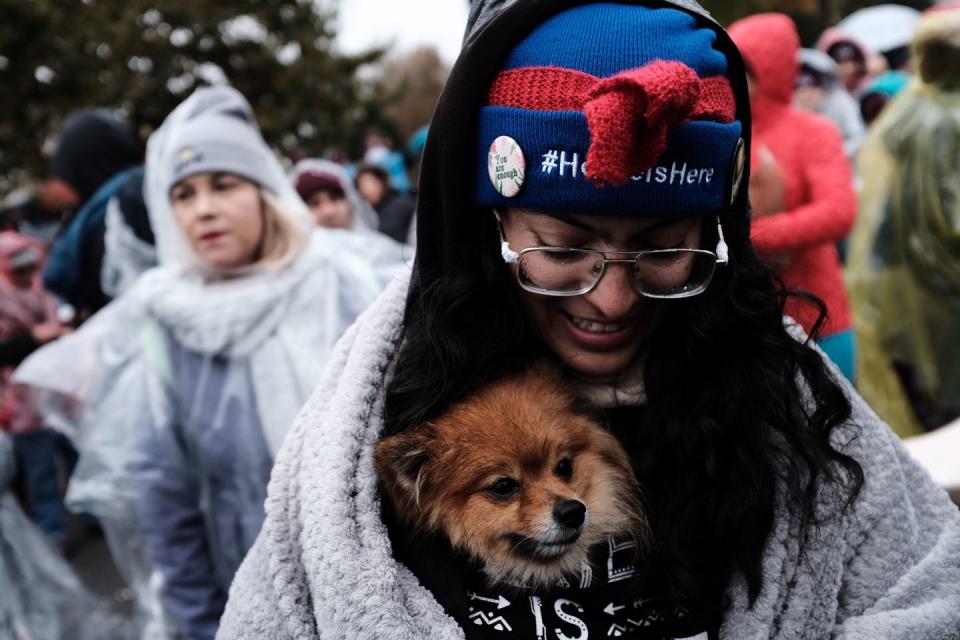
(736,432)
(737,425)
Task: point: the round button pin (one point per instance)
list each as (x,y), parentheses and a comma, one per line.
(506,166)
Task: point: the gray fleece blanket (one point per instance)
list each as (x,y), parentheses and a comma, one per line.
(322,566)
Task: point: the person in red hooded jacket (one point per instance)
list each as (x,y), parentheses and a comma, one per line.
(819,200)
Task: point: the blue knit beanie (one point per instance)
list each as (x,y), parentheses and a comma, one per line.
(612,109)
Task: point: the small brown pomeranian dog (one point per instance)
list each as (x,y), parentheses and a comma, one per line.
(517,478)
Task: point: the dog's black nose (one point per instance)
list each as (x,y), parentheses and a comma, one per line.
(570,513)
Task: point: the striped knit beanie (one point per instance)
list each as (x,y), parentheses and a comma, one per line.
(612,109)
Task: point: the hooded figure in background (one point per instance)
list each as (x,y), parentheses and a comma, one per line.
(904,266)
(330,196)
(43,599)
(94,145)
(192,378)
(723,404)
(395,209)
(820,204)
(348,223)
(886,29)
(95,156)
(819,90)
(856,63)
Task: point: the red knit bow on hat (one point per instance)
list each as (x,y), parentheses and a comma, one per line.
(629,115)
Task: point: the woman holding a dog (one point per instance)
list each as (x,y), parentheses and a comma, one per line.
(583,202)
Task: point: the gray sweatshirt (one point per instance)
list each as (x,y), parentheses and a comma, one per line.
(323,567)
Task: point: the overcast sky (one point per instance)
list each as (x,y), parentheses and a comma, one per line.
(406,23)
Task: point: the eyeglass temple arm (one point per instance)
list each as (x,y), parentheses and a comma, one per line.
(509,255)
(723,251)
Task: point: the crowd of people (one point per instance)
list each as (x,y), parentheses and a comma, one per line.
(742,256)
(198,292)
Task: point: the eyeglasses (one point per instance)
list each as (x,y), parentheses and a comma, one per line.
(655,273)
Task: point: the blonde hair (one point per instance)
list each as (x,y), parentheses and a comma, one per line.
(283,236)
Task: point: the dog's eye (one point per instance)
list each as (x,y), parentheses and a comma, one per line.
(564,468)
(503,488)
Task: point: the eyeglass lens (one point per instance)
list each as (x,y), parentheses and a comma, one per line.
(666,273)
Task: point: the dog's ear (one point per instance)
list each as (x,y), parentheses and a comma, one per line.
(401,460)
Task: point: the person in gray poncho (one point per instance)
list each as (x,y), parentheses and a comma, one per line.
(779,505)
(201,367)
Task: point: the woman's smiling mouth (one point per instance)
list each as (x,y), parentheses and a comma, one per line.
(593,335)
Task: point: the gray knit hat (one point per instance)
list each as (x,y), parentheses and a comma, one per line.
(220,142)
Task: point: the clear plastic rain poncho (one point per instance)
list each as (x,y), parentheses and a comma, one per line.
(904,261)
(361,248)
(125,255)
(179,393)
(41,598)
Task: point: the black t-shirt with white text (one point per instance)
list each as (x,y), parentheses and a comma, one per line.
(603,601)
(606,600)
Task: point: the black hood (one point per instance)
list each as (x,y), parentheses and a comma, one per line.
(129,196)
(481,11)
(451,232)
(94,146)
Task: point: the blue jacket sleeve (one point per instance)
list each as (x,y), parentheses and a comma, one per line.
(169,511)
(73,266)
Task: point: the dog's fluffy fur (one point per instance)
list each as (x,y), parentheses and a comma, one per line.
(501,475)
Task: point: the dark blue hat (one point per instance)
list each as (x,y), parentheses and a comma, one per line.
(611,109)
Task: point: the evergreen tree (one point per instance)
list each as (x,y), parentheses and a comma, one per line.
(143,57)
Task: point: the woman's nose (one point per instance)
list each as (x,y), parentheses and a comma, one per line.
(614,296)
(203,205)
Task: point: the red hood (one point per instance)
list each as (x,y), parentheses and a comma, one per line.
(770,44)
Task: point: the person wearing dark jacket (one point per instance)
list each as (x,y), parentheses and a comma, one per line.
(94,153)
(394,208)
(609,142)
